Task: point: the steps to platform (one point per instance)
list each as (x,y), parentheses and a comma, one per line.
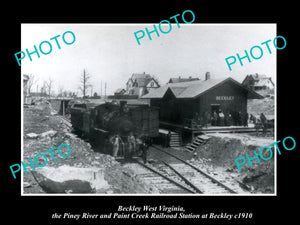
(199,140)
(175,140)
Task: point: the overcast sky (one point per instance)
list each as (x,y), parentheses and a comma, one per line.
(110,52)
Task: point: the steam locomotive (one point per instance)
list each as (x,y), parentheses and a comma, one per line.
(118,128)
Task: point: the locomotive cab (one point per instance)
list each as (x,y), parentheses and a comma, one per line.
(116,128)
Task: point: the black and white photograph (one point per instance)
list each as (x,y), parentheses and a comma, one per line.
(167,116)
(134,114)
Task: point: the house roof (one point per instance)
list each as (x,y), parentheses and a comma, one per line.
(193,89)
(142,79)
(259,79)
(179,79)
(119,90)
(263,82)
(258,76)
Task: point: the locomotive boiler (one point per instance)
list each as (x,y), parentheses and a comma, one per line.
(117,128)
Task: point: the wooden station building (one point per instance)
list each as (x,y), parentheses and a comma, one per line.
(179,102)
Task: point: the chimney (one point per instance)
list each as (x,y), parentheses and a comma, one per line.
(207,75)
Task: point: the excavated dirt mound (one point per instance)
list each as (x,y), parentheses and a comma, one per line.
(257,106)
(43,130)
(222,150)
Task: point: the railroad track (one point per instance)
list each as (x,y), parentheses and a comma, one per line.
(182,177)
(66,121)
(164,182)
(205,182)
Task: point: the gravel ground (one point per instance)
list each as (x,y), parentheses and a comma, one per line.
(39,119)
(221,150)
(217,158)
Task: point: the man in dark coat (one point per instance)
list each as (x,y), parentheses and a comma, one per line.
(245,119)
(145,148)
(239,118)
(215,118)
(263,121)
(207,118)
(168,138)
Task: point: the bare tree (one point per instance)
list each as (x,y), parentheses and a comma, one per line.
(84,85)
(49,85)
(32,80)
(65,94)
(60,91)
(44,88)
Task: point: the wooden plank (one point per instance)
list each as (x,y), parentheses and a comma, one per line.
(102,131)
(203,137)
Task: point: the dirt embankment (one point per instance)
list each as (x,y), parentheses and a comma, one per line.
(257,106)
(222,150)
(43,130)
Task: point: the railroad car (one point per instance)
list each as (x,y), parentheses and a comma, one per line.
(118,127)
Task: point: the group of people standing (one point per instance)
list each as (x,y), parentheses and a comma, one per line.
(220,118)
(130,146)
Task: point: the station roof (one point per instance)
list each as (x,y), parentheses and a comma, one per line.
(193,89)
(180,79)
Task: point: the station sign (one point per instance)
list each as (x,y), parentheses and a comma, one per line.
(226,98)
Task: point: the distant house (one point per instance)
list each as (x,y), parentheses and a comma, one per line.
(120,91)
(180,79)
(259,83)
(141,84)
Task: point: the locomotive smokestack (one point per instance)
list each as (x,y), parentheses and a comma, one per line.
(122,105)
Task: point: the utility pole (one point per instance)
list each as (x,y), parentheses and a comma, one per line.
(105,90)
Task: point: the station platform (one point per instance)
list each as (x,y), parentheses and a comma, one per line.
(209,129)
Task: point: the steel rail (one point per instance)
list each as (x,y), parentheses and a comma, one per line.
(167,178)
(65,120)
(183,178)
(197,169)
